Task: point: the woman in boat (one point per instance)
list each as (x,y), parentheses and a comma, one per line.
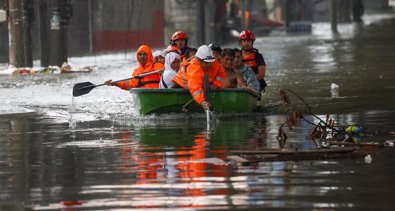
(204,65)
(159,57)
(146,64)
(172,65)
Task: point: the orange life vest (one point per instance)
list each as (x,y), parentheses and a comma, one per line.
(251,61)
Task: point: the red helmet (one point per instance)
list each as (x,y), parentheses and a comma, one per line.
(179,35)
(247,35)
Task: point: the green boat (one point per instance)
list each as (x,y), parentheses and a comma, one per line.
(163,101)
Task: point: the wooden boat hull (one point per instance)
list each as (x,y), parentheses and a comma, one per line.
(162,101)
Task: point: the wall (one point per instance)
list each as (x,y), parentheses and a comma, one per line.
(181,15)
(125,24)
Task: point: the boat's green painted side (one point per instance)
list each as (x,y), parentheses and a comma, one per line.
(160,101)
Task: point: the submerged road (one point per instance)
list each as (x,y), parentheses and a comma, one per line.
(93,153)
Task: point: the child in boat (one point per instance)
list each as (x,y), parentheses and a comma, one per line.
(172,65)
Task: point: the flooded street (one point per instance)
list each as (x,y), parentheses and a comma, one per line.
(93,153)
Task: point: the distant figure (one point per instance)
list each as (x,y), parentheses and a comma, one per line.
(357,10)
(233,78)
(217,50)
(204,65)
(252,58)
(172,65)
(246,71)
(146,64)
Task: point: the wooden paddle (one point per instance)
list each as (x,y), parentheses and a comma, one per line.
(85,87)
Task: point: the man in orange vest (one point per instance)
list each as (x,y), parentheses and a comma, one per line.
(252,58)
(146,64)
(203,65)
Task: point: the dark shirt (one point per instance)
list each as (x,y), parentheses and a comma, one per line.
(254,60)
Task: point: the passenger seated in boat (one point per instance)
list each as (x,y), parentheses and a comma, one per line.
(190,53)
(204,65)
(172,65)
(247,72)
(233,78)
(159,57)
(217,50)
(146,64)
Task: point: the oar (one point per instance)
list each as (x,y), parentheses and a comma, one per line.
(85,87)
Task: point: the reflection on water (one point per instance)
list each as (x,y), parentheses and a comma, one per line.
(106,164)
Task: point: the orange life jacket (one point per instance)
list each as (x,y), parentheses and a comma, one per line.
(192,78)
(250,60)
(149,81)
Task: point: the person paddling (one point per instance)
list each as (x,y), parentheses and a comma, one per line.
(146,64)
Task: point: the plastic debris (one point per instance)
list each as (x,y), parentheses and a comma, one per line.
(334,90)
(389,143)
(368,159)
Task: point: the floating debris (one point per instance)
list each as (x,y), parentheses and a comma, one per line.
(66,68)
(389,143)
(334,90)
(368,159)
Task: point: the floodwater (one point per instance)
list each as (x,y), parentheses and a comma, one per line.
(93,153)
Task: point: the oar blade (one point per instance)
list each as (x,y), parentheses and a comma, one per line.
(82,88)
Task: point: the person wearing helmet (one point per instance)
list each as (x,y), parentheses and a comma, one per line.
(217,50)
(191,77)
(252,58)
(146,64)
(180,39)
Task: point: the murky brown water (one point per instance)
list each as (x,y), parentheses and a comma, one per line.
(97,156)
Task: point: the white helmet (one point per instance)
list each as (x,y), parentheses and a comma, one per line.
(205,53)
